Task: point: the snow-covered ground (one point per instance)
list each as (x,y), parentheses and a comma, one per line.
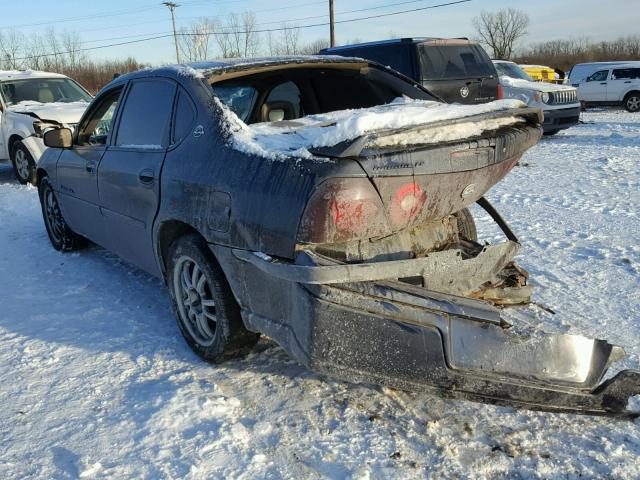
(96,382)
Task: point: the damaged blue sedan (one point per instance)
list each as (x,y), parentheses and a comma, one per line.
(323,201)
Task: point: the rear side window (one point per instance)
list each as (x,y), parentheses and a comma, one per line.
(396,56)
(185,115)
(239,98)
(626,73)
(144,120)
(440,62)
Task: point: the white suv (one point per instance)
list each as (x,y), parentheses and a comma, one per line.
(616,85)
(31,103)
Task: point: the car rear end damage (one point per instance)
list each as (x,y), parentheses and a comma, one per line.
(364,322)
(416,307)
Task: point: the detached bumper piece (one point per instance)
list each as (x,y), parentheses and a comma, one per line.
(359,323)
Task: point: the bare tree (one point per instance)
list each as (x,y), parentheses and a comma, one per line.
(195,41)
(11,48)
(501,30)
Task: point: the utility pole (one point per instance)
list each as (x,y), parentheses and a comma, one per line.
(332,40)
(172,6)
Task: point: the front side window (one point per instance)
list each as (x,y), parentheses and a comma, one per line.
(95,130)
(599,76)
(145,114)
(42,90)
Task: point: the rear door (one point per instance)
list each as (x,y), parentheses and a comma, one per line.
(620,83)
(458,72)
(594,89)
(129,173)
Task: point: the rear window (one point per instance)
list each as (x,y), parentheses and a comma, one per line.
(439,62)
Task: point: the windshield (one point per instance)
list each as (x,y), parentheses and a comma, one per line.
(512,70)
(42,90)
(440,62)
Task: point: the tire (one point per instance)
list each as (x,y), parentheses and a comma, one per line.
(24,166)
(551,132)
(206,311)
(466,225)
(632,102)
(60,234)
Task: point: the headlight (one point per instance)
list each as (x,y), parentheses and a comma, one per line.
(40,127)
(544,96)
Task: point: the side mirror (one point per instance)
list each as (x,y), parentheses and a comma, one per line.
(58,138)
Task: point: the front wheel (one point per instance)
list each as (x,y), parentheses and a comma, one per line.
(206,311)
(632,102)
(23,164)
(60,234)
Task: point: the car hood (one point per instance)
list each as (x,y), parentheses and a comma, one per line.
(422,121)
(57,111)
(538,86)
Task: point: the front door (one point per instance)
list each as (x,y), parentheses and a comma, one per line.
(594,88)
(129,173)
(78,166)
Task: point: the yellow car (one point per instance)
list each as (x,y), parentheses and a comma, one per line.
(540,73)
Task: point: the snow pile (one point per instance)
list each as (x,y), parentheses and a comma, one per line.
(97,381)
(295,138)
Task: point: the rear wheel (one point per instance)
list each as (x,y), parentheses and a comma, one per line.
(60,234)
(466,225)
(206,311)
(632,102)
(23,164)
(551,132)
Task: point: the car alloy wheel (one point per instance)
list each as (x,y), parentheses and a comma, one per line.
(53,216)
(22,165)
(194,299)
(633,103)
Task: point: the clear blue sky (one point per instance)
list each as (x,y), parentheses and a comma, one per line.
(100,23)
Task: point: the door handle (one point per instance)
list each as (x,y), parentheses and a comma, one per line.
(628,81)
(90,166)
(147,176)
(603,83)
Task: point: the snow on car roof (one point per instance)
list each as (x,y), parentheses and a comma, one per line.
(24,74)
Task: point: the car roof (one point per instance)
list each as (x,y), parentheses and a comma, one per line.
(24,74)
(209,69)
(394,41)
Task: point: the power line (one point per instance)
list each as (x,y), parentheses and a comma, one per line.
(241,32)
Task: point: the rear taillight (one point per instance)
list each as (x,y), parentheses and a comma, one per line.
(406,204)
(500,92)
(343,209)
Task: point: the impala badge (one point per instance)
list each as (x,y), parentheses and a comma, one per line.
(199,131)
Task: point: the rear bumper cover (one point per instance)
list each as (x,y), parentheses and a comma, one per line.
(394,334)
(561,118)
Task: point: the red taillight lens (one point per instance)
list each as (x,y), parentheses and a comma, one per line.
(500,92)
(343,209)
(407,203)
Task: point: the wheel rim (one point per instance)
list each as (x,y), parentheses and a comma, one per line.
(633,103)
(22,164)
(196,306)
(53,216)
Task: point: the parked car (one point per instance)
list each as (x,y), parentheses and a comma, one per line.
(321,201)
(616,85)
(30,103)
(540,73)
(579,72)
(455,70)
(558,102)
